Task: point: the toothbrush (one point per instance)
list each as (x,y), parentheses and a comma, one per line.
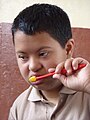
(63,72)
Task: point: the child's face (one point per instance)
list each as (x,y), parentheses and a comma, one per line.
(36,54)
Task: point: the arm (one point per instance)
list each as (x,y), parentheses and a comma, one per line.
(12,115)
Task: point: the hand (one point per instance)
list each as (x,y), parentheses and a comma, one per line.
(80,80)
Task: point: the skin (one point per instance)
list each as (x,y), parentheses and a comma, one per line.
(39,54)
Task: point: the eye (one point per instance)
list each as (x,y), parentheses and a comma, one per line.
(23,57)
(43,53)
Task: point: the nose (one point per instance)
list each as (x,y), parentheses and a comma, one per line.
(34,64)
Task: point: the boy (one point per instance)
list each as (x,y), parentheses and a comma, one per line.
(43,43)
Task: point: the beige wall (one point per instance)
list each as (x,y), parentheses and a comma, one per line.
(78,10)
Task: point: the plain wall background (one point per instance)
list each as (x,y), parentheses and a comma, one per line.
(78,10)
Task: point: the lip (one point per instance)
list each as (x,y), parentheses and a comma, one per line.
(35,75)
(38,82)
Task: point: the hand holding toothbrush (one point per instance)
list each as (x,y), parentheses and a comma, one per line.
(78,80)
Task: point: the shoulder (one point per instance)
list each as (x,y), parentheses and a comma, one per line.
(23,96)
(19,104)
(22,99)
(76,97)
(80,98)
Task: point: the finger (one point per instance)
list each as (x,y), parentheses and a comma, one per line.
(51,69)
(62,78)
(78,61)
(58,76)
(68,66)
(59,68)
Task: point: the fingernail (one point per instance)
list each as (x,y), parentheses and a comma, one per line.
(68,71)
(74,68)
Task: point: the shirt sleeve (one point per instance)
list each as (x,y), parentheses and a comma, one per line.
(12,115)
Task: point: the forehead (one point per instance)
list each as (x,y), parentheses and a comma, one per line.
(34,41)
(39,36)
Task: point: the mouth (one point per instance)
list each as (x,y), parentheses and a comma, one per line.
(35,77)
(38,79)
(37,82)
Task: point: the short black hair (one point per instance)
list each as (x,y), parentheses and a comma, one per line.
(44,18)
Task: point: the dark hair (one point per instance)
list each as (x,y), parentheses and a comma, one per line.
(44,18)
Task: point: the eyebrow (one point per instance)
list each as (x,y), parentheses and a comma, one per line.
(21,52)
(44,47)
(41,48)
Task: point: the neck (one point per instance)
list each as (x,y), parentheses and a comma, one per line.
(52,95)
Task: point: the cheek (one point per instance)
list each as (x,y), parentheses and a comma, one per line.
(51,63)
(23,70)
(55,60)
(60,57)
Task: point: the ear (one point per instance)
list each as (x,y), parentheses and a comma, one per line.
(69,47)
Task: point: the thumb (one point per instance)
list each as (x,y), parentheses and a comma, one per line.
(51,69)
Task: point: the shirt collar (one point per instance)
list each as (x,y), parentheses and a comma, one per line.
(66,90)
(36,96)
